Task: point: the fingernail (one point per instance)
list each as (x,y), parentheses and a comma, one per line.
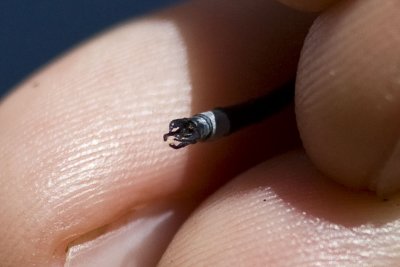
(137,239)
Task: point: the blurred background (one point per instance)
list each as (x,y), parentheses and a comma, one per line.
(34,32)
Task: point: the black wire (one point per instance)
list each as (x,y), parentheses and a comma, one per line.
(258,109)
(187,131)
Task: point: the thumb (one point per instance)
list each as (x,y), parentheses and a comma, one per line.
(348,98)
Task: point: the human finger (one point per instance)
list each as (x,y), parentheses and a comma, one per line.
(286,213)
(348,97)
(81,144)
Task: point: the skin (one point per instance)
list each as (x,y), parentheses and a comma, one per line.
(84,167)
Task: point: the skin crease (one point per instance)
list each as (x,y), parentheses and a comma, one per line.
(81,144)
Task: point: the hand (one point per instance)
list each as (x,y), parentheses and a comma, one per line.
(86,178)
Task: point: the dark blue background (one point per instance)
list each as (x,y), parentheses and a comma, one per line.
(33,32)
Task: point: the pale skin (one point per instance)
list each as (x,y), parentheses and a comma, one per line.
(83,157)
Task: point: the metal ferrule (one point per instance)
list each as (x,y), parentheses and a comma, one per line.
(212,124)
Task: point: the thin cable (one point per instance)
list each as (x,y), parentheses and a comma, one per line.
(219,122)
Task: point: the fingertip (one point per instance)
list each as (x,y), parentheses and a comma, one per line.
(348,99)
(285,213)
